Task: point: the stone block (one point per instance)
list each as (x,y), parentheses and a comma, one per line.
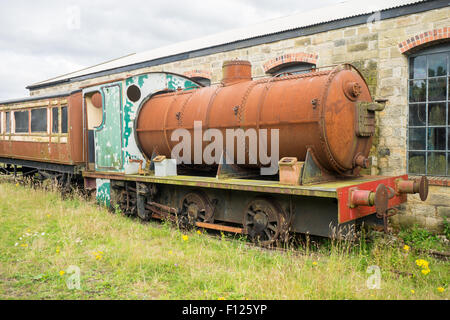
(434,225)
(349,32)
(424,210)
(443,212)
(438,199)
(339,43)
(357,47)
(302,42)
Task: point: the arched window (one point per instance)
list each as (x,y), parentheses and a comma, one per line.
(291,63)
(429,116)
(204,81)
(292,68)
(201,76)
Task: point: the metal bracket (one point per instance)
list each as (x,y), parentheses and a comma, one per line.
(313,172)
(230,171)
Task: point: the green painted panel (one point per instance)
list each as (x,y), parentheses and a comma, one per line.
(108,137)
(174,82)
(104,192)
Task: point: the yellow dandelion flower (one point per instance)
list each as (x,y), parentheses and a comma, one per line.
(199,232)
(17,184)
(426,271)
(221,298)
(170,252)
(185,238)
(440,289)
(314,263)
(62,272)
(422,263)
(58,249)
(98,257)
(406,248)
(49,215)
(413,291)
(24,245)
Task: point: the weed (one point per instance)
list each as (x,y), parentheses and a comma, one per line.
(446,228)
(420,238)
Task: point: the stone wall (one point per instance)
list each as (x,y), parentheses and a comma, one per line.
(374,49)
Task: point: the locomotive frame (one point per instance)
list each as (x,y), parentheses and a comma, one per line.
(102,147)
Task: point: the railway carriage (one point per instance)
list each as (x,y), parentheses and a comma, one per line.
(122,131)
(43,135)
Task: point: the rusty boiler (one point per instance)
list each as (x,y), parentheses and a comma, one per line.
(330,112)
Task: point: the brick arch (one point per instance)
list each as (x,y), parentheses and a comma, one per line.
(290,58)
(198,74)
(424,38)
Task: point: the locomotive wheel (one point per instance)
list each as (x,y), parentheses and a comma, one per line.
(196,207)
(127,201)
(265,221)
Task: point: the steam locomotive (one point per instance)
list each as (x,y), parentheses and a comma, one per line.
(265,158)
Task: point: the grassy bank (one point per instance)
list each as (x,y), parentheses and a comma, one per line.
(41,236)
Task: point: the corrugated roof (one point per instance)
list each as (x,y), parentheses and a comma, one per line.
(346,9)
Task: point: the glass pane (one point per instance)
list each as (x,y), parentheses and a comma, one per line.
(436,163)
(417,139)
(418,67)
(436,138)
(417,115)
(417,91)
(64,119)
(55,120)
(8,122)
(436,114)
(416,162)
(21,121)
(39,120)
(437,65)
(437,89)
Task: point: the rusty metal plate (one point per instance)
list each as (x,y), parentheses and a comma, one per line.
(423,188)
(381,200)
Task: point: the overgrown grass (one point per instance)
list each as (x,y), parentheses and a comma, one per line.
(423,239)
(41,236)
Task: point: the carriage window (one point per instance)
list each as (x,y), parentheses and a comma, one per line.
(64,120)
(21,121)
(39,120)
(8,122)
(429,116)
(55,123)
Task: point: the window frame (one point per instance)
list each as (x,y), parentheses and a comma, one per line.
(25,111)
(8,122)
(46,120)
(435,50)
(58,130)
(66,106)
